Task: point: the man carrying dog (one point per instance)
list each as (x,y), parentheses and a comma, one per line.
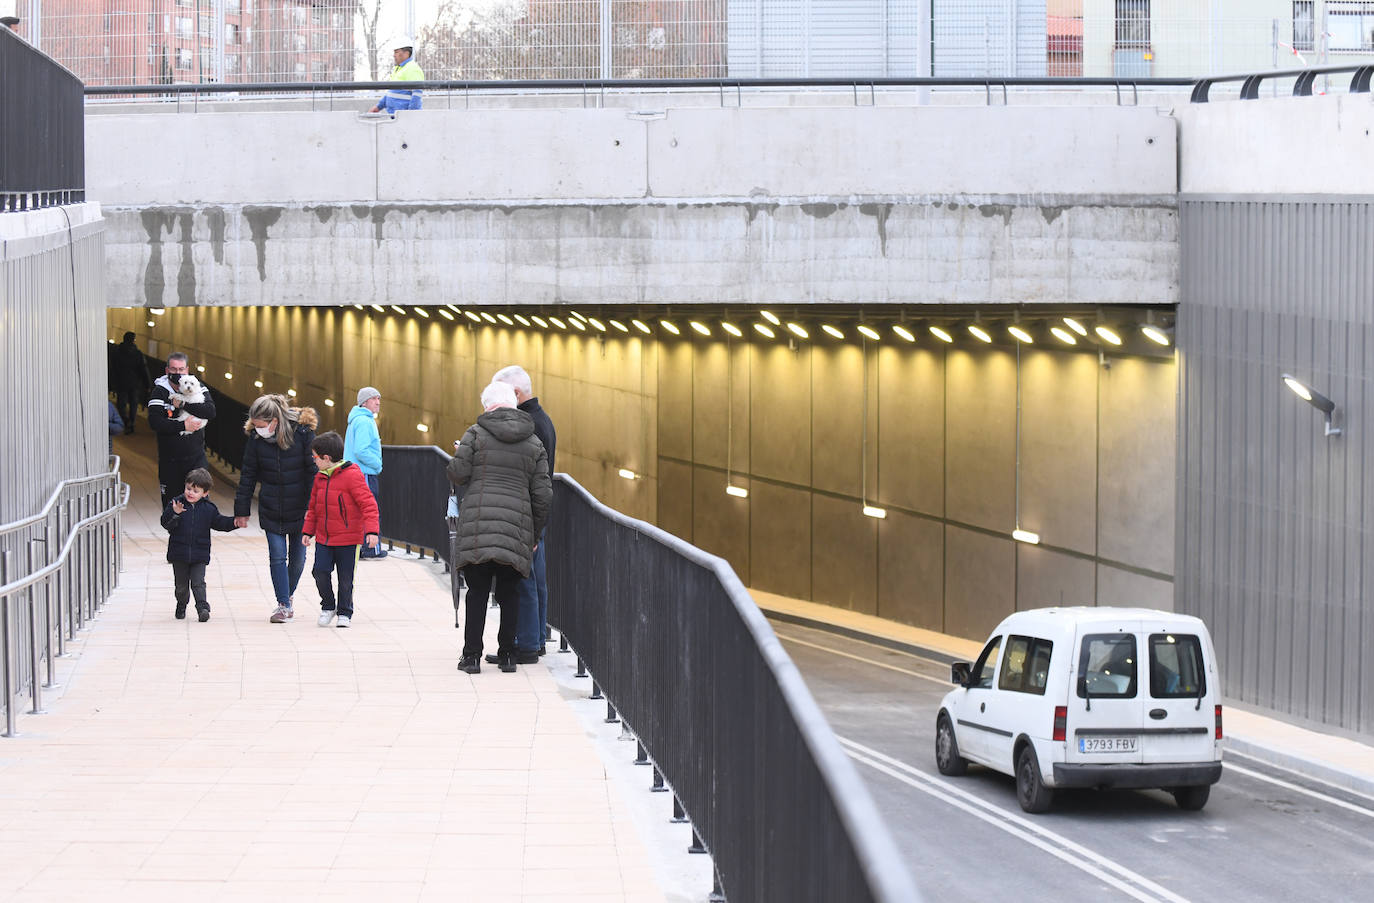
(180,443)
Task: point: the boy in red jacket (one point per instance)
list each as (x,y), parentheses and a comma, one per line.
(343,515)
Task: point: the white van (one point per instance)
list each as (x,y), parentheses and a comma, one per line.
(1088,697)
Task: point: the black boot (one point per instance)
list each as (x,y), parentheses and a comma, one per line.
(506,662)
(181,611)
(470,664)
(203,614)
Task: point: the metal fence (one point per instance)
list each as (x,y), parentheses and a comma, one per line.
(42,139)
(57,568)
(414,491)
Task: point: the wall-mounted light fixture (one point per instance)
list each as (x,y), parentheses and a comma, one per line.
(257,383)
(446,315)
(422,427)
(291,392)
(1315,399)
(903,332)
(329,402)
(627,473)
(151,323)
(400,310)
(228,375)
(420,311)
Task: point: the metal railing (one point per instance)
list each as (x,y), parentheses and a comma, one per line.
(1304,81)
(42,140)
(48,593)
(414,491)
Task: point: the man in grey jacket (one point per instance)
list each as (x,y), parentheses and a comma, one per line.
(504,470)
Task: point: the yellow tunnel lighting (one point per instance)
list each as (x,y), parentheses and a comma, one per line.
(1075,326)
(110,341)
(869,332)
(1154,334)
(941,334)
(358,306)
(600,327)
(627,473)
(738,492)
(505,319)
(228,375)
(731,328)
(1025,536)
(446,315)
(668,325)
(200,368)
(157,311)
(699,327)
(831,331)
(903,332)
(557,322)
(539,321)
(489,318)
(151,323)
(798,330)
(642,326)
(257,383)
(422,427)
(454,307)
(1020,335)
(291,392)
(472,315)
(329,402)
(1107,335)
(875,511)
(770,317)
(400,310)
(620,327)
(521,320)
(421,311)
(979,333)
(379,309)
(574,315)
(761,329)
(1063,335)
(1298,388)
(577,324)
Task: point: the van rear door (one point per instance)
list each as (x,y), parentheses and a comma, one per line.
(1106,711)
(1181,719)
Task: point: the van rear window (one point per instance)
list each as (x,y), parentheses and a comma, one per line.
(1107,666)
(1176,670)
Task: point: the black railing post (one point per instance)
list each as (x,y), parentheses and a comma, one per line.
(611,716)
(641,757)
(581,669)
(563,642)
(596,690)
(660,787)
(696,846)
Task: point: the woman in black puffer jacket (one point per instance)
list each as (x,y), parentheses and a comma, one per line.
(277,458)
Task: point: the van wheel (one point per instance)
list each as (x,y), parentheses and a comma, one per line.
(1031,791)
(947,757)
(1191,799)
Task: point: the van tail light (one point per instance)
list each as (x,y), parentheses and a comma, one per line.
(1061,721)
(1218,722)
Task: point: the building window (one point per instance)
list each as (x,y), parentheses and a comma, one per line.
(184,59)
(231,33)
(207,26)
(231,62)
(319,41)
(184,27)
(1304,25)
(231,7)
(1351,25)
(298,42)
(317,17)
(299,16)
(1133,24)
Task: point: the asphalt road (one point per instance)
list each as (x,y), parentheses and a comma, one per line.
(1265,834)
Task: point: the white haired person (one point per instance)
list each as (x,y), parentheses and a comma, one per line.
(530,630)
(504,470)
(363,446)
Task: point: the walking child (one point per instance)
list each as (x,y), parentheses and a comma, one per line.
(342,516)
(188,519)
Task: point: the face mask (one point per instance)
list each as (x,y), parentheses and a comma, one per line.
(265,432)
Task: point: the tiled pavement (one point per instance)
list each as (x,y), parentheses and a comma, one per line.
(237,759)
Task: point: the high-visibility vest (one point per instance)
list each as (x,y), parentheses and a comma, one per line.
(403,99)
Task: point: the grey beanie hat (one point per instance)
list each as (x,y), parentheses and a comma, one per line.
(367,393)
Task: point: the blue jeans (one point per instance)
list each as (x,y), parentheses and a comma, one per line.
(373,484)
(530,629)
(327,560)
(286,559)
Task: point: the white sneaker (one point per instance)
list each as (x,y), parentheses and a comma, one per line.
(326,617)
(344,621)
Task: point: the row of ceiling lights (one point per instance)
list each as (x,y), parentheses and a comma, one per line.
(1068,330)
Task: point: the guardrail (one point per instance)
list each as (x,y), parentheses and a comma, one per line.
(42,141)
(1302,87)
(46,593)
(414,492)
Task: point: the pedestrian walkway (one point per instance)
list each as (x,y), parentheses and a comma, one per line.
(1339,761)
(238,759)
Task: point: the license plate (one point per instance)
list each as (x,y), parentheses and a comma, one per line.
(1107,744)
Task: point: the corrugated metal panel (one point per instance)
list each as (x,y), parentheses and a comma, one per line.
(822,38)
(1272,541)
(974,38)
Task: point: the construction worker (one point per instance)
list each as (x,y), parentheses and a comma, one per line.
(406,70)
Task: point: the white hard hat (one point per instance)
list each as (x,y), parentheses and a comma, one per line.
(403,41)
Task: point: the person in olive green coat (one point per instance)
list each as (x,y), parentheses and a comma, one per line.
(504,470)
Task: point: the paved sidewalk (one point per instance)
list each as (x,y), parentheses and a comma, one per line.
(1341,762)
(238,759)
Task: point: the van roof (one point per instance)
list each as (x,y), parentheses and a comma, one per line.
(1068,617)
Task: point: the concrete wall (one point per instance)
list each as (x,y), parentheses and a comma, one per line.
(786,205)
(939,450)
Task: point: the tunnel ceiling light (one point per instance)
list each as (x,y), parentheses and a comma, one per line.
(798,330)
(577,324)
(400,310)
(574,315)
(1020,334)
(257,383)
(875,511)
(421,311)
(539,321)
(291,392)
(758,327)
(731,328)
(699,327)
(521,320)
(738,492)
(1025,536)
(200,368)
(831,331)
(228,375)
(446,315)
(903,333)
(358,306)
(489,318)
(557,322)
(642,326)
(379,309)
(979,333)
(151,323)
(1315,399)
(454,308)
(668,325)
(1155,334)
(505,319)
(628,474)
(110,341)
(941,334)
(1106,334)
(869,332)
(329,402)
(1063,335)
(1076,326)
(157,311)
(472,316)
(422,427)
(619,326)
(770,317)
(600,327)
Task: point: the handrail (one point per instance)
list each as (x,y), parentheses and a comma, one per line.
(48,570)
(56,493)
(1250,82)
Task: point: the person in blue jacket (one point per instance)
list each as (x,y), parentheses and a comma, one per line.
(363,446)
(405,70)
(189,518)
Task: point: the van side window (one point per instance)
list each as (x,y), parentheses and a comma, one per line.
(1026,666)
(1176,666)
(986,665)
(1107,666)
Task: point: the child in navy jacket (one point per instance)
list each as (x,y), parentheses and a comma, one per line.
(189,518)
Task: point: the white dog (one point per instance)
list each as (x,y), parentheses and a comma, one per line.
(188,390)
